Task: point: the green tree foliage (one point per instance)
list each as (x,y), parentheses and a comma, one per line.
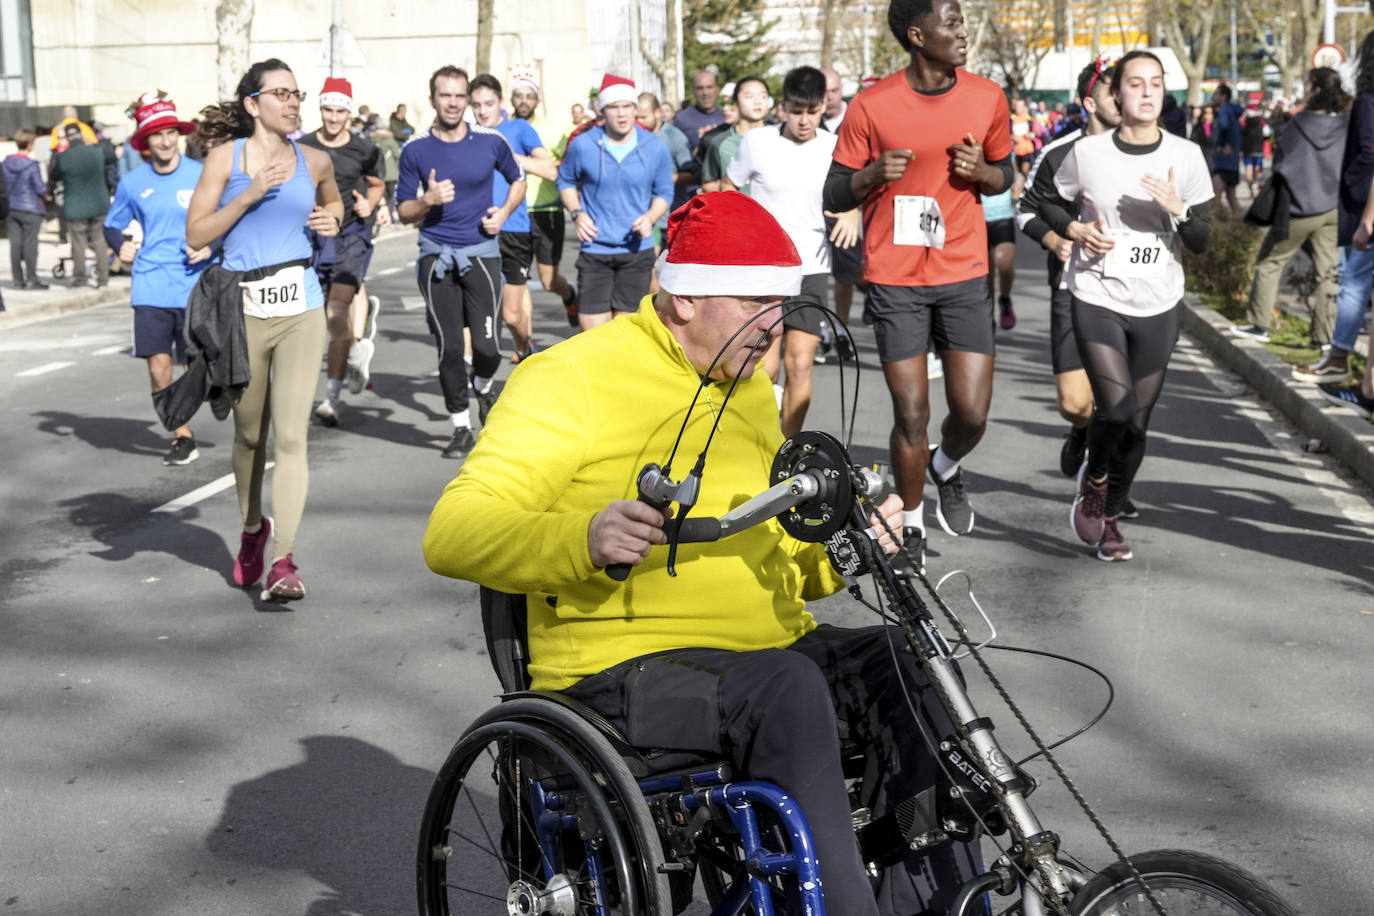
(729,37)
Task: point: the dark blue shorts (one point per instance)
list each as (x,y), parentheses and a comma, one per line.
(342,259)
(159,330)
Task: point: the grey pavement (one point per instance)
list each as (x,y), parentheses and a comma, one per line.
(172,745)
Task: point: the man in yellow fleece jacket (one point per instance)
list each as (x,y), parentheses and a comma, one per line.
(723,658)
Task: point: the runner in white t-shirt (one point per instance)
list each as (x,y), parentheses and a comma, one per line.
(785,169)
(1144,195)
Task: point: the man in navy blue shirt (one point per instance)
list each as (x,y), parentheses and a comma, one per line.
(444,183)
(616,180)
(165,269)
(1226,152)
(517,237)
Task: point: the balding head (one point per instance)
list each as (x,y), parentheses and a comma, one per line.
(68,111)
(705,90)
(834,92)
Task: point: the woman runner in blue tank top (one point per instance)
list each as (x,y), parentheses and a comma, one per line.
(260,194)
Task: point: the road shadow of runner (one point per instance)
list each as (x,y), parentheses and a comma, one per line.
(347,816)
(126,527)
(133,437)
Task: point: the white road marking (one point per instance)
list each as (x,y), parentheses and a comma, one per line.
(389,271)
(59,343)
(202,493)
(110,351)
(43,369)
(411,303)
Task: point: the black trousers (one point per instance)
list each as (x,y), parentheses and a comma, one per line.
(453,302)
(785,716)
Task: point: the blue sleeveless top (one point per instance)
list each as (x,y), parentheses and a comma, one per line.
(273,230)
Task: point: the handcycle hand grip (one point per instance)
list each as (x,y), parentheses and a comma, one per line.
(692,531)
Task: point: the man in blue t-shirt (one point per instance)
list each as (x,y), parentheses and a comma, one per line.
(165,268)
(517,235)
(616,180)
(444,183)
(1226,152)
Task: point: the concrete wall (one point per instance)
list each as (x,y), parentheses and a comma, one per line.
(104,53)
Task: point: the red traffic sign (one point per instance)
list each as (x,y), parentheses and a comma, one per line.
(1328,56)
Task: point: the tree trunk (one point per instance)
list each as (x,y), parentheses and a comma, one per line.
(233,24)
(665,67)
(829,22)
(1097,30)
(484,28)
(1192,56)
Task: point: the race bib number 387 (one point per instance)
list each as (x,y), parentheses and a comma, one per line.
(277,296)
(1137,255)
(917,221)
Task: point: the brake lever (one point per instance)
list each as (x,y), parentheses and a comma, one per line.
(656,489)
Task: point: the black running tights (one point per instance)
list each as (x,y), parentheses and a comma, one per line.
(453,302)
(1125,358)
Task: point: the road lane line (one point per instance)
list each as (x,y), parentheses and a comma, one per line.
(43,369)
(389,271)
(110,351)
(412,303)
(202,493)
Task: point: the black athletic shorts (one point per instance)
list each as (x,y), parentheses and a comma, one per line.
(846,264)
(797,314)
(613,281)
(159,330)
(1001,231)
(1063,344)
(1229,177)
(517,256)
(910,320)
(547,228)
(342,259)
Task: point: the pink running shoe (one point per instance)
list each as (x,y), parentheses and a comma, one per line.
(1089,508)
(1008,320)
(1112,547)
(283,584)
(252,552)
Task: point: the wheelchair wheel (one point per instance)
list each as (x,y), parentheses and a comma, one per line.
(1185,883)
(59,270)
(535,813)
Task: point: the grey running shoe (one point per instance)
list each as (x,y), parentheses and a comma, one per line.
(182,452)
(461,443)
(1111,546)
(327,413)
(1074,452)
(952,508)
(1250,332)
(1089,510)
(1349,397)
(485,402)
(360,364)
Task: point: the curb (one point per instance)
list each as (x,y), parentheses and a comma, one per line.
(16,314)
(1348,438)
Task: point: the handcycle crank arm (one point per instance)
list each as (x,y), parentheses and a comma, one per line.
(769,503)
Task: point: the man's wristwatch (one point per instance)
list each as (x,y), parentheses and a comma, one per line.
(1180,220)
(575,214)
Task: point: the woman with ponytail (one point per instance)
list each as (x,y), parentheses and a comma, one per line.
(259,194)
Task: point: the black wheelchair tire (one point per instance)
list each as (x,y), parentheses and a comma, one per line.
(1176,876)
(59,271)
(548,729)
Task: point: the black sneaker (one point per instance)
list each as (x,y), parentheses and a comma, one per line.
(1349,397)
(462,442)
(844,348)
(182,452)
(1128,509)
(952,508)
(485,401)
(822,352)
(1074,451)
(1250,332)
(570,306)
(913,552)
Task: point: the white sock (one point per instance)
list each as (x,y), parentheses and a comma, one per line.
(460,419)
(941,463)
(467,360)
(332,388)
(915,518)
(483,385)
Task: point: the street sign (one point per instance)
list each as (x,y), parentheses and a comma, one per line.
(1328,56)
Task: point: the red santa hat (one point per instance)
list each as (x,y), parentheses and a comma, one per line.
(156,113)
(616,89)
(337,93)
(726,244)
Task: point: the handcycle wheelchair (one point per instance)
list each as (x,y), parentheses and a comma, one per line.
(543,809)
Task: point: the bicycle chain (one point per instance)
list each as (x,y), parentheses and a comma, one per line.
(968,642)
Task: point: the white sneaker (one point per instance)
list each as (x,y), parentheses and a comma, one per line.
(934,367)
(360,364)
(327,413)
(374,305)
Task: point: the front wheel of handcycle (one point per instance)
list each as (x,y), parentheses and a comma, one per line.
(1185,884)
(532,813)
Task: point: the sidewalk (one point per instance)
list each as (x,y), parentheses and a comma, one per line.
(23,306)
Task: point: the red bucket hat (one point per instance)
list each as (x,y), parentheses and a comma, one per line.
(154,115)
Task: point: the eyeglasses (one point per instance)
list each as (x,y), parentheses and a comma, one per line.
(281,93)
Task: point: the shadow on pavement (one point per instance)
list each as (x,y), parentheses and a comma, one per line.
(347,815)
(133,437)
(123,524)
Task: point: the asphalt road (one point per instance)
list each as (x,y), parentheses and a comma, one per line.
(170,745)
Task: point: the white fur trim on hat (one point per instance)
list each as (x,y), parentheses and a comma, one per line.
(335,100)
(617,92)
(728,279)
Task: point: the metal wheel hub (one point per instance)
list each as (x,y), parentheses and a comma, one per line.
(556,898)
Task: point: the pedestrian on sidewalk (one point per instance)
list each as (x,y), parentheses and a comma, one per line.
(1355,230)
(28,198)
(85,201)
(165,269)
(1308,161)
(1229,138)
(260,192)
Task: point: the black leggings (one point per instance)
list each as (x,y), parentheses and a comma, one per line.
(1125,358)
(451,302)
